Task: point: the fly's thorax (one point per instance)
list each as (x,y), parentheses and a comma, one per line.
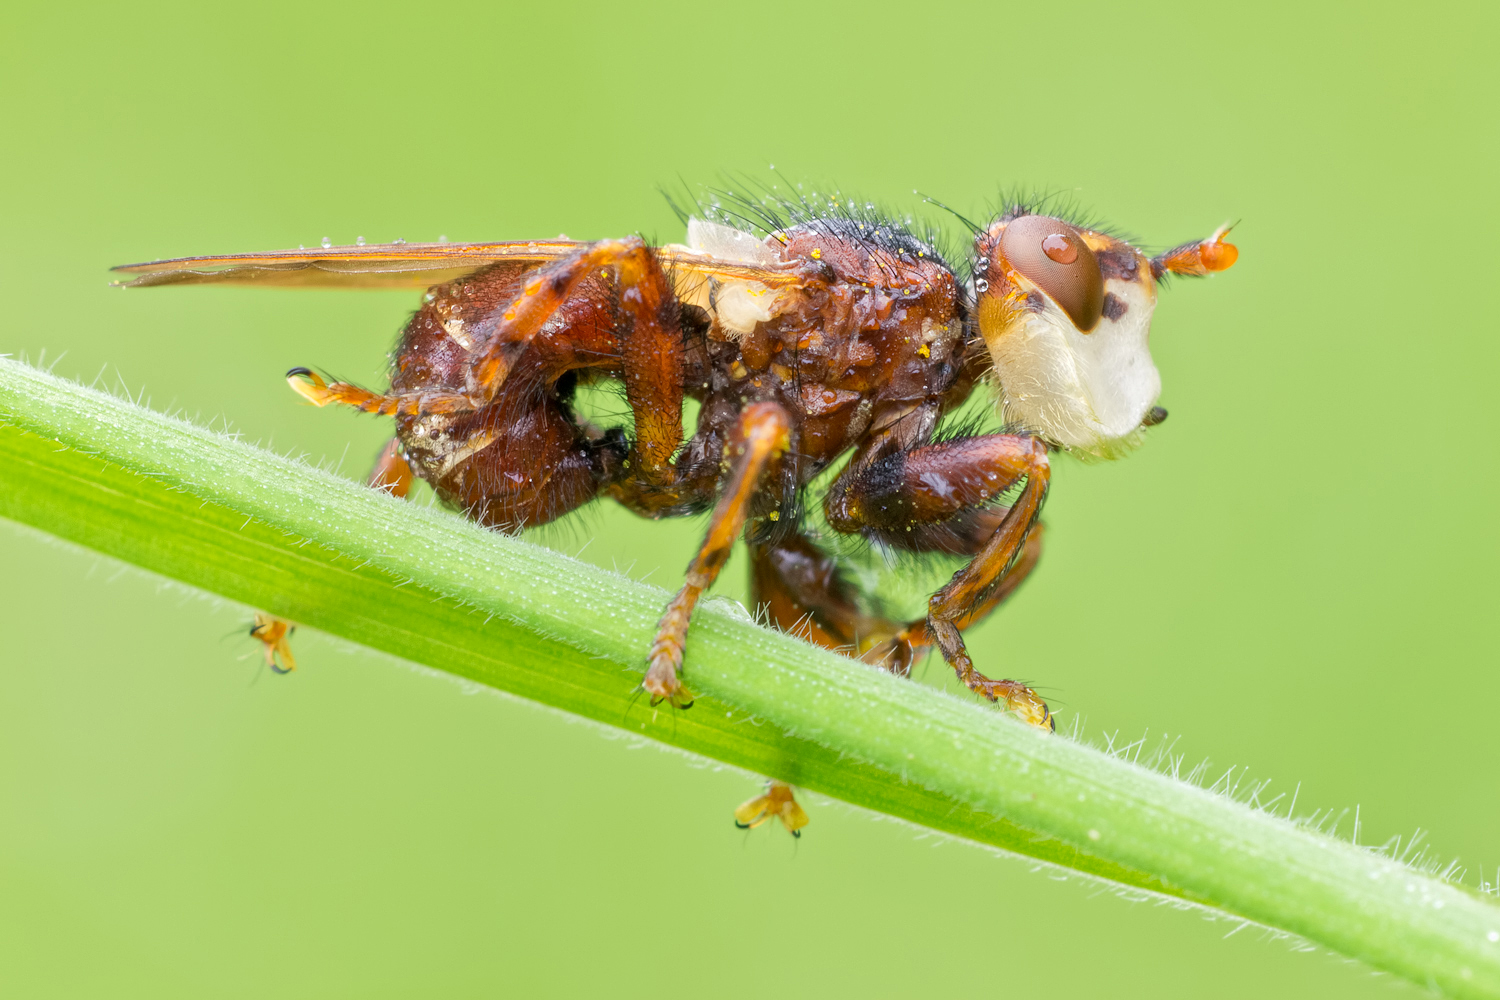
(854,256)
(1066,315)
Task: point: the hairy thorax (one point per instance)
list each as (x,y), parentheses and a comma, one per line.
(869,330)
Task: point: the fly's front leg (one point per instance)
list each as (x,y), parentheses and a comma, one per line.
(904,643)
(801,589)
(1030,555)
(971,585)
(760,437)
(906,493)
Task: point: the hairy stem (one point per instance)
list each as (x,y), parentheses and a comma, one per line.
(433,588)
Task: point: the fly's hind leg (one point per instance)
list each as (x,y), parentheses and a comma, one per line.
(760,437)
(776,802)
(274,634)
(392,473)
(542,294)
(311,387)
(900,495)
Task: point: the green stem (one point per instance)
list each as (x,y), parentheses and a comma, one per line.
(433,588)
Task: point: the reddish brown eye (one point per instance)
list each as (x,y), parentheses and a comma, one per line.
(1052,254)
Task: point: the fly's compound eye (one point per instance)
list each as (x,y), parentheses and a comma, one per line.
(1052,255)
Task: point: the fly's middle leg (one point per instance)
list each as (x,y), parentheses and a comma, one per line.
(761,436)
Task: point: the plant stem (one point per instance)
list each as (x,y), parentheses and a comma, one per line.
(433,588)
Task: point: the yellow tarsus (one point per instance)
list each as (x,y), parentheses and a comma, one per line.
(776,803)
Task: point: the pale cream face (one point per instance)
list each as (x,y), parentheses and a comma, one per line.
(1086,390)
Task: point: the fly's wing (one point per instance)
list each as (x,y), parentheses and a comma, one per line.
(412,265)
(389,265)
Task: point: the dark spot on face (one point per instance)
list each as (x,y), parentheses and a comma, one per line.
(1155,416)
(1114,306)
(1035,301)
(1118,264)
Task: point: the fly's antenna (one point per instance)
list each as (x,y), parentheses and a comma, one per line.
(974,227)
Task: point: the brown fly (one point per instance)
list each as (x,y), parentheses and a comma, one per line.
(809,332)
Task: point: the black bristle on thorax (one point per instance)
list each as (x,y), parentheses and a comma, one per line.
(765,210)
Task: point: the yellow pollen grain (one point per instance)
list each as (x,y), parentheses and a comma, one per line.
(775,515)
(817,253)
(924,351)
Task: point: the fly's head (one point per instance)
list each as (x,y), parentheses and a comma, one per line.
(1066,314)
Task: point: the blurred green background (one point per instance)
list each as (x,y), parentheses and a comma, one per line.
(1296,574)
